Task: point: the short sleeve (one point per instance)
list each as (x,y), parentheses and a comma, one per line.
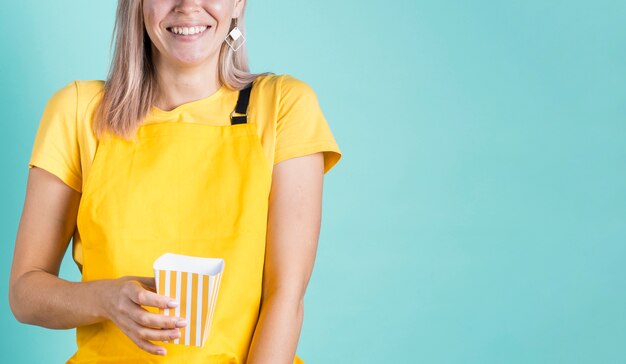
(56,148)
(301,127)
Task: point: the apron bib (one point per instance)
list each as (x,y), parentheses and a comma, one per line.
(183,188)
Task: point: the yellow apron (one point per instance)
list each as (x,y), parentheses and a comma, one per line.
(183,188)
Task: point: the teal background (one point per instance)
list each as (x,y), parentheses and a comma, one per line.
(479,212)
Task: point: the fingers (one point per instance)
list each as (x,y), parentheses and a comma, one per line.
(147,333)
(139,324)
(146,298)
(141,336)
(148,319)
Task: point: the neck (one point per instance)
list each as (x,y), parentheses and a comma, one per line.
(181,84)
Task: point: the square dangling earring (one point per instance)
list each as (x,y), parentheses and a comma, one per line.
(235,38)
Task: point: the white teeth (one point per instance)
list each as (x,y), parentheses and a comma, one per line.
(188,30)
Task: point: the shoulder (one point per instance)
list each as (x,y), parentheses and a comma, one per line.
(63,99)
(287,90)
(283,84)
(70,96)
(88,91)
(89,87)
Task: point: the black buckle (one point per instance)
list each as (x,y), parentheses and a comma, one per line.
(235,120)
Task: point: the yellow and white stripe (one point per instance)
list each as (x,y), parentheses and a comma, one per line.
(197,296)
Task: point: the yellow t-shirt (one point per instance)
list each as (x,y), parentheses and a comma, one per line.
(290,123)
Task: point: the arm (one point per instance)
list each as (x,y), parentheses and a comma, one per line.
(37,295)
(293,230)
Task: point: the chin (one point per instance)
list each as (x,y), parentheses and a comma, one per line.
(190,60)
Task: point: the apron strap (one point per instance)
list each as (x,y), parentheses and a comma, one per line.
(242,106)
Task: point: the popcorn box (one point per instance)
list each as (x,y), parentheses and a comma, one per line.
(194,283)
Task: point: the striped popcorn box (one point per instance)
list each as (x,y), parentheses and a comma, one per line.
(194,282)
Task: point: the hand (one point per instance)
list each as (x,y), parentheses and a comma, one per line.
(122,300)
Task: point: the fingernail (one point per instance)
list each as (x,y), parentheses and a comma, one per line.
(181,323)
(172,304)
(161,351)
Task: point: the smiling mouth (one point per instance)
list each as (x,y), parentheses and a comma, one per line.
(188,30)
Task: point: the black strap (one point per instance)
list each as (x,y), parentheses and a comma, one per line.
(242,106)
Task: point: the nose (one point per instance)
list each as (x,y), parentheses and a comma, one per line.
(187,6)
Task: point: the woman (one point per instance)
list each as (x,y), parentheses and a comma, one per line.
(181,150)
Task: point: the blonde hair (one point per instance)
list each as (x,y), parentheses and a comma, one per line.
(131,87)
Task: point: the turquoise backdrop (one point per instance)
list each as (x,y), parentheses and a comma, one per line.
(479,212)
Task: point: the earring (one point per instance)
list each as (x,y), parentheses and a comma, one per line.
(235,38)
